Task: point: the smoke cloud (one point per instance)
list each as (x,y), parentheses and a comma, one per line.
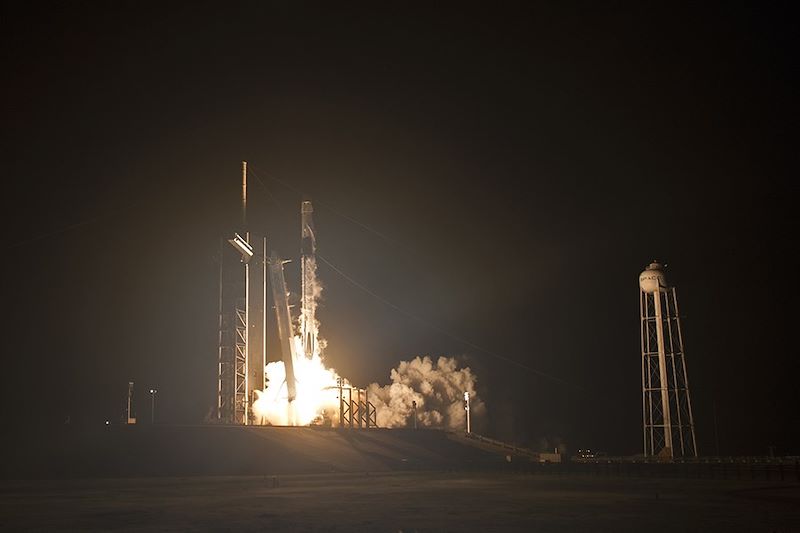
(437,387)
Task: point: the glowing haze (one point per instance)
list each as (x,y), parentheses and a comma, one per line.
(437,387)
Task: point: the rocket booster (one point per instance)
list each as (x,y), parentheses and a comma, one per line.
(308,264)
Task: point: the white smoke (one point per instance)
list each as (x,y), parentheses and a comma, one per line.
(437,388)
(307,321)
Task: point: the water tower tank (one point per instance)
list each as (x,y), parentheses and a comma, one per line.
(652,278)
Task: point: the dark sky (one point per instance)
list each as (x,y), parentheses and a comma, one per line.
(523,165)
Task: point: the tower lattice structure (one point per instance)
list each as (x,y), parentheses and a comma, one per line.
(668,423)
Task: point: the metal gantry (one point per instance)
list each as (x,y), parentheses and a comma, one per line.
(358,411)
(668,424)
(233,340)
(242,321)
(240,363)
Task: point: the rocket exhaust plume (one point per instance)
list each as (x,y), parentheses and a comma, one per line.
(301,390)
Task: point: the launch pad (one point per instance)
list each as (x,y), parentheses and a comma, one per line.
(298,388)
(248,271)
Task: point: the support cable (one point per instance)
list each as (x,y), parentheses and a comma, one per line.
(441,330)
(326,206)
(66,229)
(386,302)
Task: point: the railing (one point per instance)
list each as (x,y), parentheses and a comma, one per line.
(765,469)
(504,445)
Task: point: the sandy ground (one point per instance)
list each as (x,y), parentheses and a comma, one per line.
(405,501)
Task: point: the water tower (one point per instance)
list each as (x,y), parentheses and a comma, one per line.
(666,404)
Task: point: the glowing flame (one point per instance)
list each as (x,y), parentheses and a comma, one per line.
(317,392)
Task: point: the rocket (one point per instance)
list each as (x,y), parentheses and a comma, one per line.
(308,264)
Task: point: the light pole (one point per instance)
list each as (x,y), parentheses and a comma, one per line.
(153,405)
(466,408)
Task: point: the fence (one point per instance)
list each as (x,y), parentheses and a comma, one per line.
(769,469)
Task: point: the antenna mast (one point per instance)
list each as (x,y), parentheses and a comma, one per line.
(244,195)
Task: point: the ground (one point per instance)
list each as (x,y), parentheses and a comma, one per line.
(232,478)
(401,501)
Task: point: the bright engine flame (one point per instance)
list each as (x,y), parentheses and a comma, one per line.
(317,398)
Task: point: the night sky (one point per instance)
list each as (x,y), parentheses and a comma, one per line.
(502,174)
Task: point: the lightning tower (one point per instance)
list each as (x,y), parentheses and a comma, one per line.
(666,404)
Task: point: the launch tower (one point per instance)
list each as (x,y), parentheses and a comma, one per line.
(242,319)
